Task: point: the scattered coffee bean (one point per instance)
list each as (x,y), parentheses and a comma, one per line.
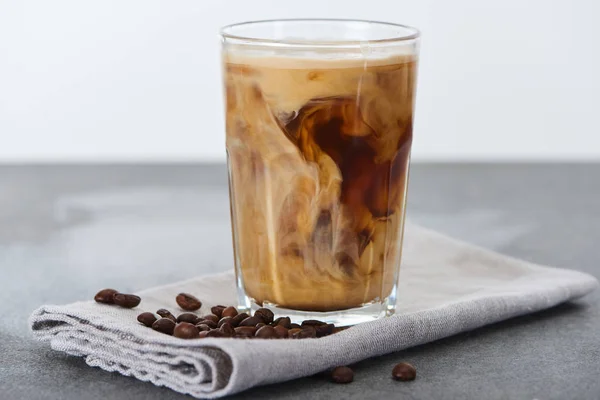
(210,317)
(105,296)
(203,334)
(284,321)
(312,322)
(293,331)
(229,312)
(166,314)
(324,330)
(281,332)
(235,321)
(250,321)
(188,302)
(266,332)
(342,375)
(126,300)
(188,317)
(215,333)
(203,327)
(185,330)
(227,329)
(147,318)
(245,331)
(217,310)
(260,325)
(265,314)
(304,333)
(404,372)
(164,325)
(295,326)
(224,320)
(209,323)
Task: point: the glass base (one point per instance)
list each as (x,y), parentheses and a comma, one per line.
(365,313)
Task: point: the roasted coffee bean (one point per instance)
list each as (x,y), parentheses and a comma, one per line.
(283,321)
(126,300)
(147,318)
(312,322)
(265,314)
(293,331)
(250,321)
(245,331)
(218,311)
(211,317)
(166,314)
(185,330)
(208,322)
(281,332)
(224,320)
(105,296)
(295,326)
(215,333)
(260,325)
(227,329)
(324,330)
(235,321)
(188,302)
(404,372)
(188,317)
(203,327)
(304,333)
(164,325)
(230,311)
(266,332)
(202,334)
(342,375)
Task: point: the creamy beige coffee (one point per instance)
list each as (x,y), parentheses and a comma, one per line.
(318,156)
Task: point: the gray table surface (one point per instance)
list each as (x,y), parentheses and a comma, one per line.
(66,231)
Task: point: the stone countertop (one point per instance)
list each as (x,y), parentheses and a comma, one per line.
(66,231)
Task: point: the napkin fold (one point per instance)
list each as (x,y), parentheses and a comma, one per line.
(445,287)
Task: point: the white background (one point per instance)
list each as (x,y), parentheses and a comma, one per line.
(139,80)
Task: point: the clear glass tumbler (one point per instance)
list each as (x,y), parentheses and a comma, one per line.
(319,117)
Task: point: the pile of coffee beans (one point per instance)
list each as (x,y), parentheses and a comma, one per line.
(401,372)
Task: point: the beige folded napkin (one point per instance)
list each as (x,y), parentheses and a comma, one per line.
(445,287)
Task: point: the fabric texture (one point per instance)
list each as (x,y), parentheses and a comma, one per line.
(445,287)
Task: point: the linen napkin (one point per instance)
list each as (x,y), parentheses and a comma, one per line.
(445,287)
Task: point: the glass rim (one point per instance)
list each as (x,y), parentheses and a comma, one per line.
(225,33)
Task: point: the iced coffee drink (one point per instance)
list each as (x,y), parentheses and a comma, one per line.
(318,145)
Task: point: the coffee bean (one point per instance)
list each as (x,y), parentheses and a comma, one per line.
(164,325)
(283,321)
(224,320)
(227,329)
(342,375)
(229,312)
(281,332)
(295,326)
(265,314)
(235,321)
(188,317)
(188,302)
(218,311)
(215,333)
(105,296)
(260,325)
(250,321)
(245,331)
(166,314)
(324,330)
(304,333)
(208,323)
(203,334)
(185,330)
(126,300)
(203,327)
(293,331)
(404,372)
(312,322)
(266,332)
(210,317)
(147,318)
